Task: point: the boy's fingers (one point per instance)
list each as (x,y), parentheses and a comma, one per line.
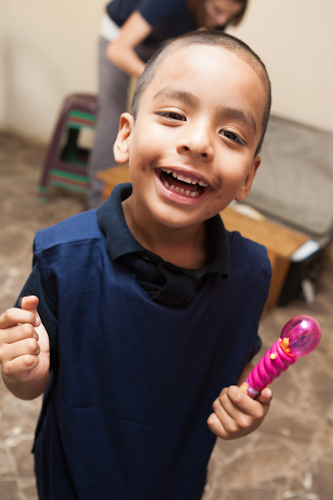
(18,333)
(265,396)
(15,316)
(238,405)
(223,406)
(216,426)
(255,408)
(225,428)
(232,417)
(27,346)
(30,302)
(19,367)
(235,401)
(224,420)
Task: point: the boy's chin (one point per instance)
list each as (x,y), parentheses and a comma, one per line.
(174,218)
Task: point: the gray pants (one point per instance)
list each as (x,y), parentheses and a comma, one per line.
(112,102)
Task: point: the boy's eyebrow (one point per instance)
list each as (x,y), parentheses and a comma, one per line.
(179,95)
(224,113)
(236,114)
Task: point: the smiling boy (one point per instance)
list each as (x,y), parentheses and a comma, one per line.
(151,308)
(202,124)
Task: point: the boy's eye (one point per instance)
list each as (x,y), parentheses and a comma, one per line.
(233,137)
(171,115)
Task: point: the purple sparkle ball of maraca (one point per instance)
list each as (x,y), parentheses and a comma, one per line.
(298,337)
(303,333)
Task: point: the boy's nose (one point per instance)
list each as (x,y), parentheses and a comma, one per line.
(197,142)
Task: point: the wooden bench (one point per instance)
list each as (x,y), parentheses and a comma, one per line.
(280,241)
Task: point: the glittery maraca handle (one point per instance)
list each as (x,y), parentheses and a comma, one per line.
(275,361)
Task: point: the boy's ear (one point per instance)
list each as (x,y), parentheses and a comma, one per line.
(246,187)
(121,146)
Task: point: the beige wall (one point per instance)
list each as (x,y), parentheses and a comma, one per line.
(294,38)
(48,49)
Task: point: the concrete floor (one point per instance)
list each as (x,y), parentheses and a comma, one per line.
(289,457)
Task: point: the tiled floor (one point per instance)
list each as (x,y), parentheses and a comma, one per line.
(289,457)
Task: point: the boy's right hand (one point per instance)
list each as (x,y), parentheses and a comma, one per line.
(24,343)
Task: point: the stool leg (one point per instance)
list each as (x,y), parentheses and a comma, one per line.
(69,151)
(51,154)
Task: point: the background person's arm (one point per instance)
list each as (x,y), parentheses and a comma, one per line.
(121,50)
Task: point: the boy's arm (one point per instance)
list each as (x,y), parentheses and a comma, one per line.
(236,414)
(24,350)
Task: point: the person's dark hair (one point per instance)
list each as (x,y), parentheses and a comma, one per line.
(197,10)
(206,37)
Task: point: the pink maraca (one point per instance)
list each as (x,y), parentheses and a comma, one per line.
(299,337)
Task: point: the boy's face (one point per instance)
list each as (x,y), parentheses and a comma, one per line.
(191,148)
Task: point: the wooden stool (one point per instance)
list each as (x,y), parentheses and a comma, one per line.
(66,166)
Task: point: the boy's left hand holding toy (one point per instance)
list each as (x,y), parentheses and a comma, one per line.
(234,416)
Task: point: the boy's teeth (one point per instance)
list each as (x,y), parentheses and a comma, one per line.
(180,190)
(203,184)
(180,177)
(188,180)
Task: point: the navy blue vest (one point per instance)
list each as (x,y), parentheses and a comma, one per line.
(125,414)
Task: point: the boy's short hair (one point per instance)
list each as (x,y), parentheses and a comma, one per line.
(207,37)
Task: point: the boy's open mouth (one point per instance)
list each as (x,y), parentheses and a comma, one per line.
(182,184)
